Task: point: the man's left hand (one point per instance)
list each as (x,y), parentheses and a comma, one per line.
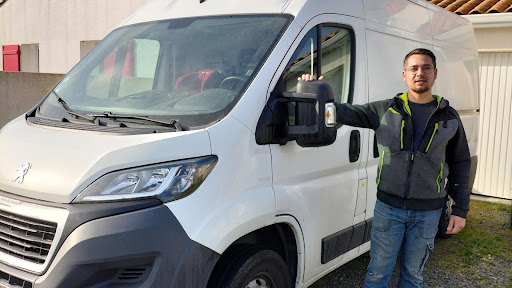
(455,225)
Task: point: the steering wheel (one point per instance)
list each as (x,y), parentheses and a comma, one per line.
(232,83)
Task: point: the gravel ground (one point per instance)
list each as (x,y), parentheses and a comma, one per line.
(441,271)
(493,274)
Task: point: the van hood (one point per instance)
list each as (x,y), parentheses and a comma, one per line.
(56,165)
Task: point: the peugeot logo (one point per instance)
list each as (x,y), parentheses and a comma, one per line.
(22,171)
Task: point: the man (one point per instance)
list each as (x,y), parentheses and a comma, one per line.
(421,144)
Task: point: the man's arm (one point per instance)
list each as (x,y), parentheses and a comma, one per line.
(458,159)
(363,116)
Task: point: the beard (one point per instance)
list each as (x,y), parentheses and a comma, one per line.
(421,90)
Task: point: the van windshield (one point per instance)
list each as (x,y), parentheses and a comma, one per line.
(193,70)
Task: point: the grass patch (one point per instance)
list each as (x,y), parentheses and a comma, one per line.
(482,250)
(487,233)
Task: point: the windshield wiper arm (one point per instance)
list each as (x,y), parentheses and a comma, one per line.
(71,112)
(172,122)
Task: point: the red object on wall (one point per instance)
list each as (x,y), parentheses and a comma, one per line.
(11,57)
(129,62)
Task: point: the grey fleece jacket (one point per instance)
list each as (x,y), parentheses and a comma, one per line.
(416,180)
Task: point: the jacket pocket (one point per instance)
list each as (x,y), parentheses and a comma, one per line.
(427,178)
(392,174)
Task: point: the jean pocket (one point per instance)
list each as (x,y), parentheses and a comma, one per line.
(382,217)
(429,224)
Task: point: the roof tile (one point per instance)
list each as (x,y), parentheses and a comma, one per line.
(455,5)
(464,7)
(483,7)
(501,6)
(445,3)
(468,6)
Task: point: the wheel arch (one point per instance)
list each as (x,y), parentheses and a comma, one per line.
(283,237)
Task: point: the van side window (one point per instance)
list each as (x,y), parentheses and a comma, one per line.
(303,61)
(335,63)
(335,60)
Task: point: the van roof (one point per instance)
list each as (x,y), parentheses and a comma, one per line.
(434,23)
(166,9)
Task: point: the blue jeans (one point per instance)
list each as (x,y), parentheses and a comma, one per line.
(396,229)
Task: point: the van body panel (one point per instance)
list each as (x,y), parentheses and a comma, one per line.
(401,14)
(456,31)
(237,197)
(464,76)
(471,124)
(84,157)
(304,10)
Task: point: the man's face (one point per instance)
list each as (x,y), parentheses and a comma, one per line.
(420,74)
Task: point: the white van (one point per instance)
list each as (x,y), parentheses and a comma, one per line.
(175,155)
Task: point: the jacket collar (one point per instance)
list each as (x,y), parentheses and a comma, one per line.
(404,100)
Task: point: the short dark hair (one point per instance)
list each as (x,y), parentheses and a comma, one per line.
(420,51)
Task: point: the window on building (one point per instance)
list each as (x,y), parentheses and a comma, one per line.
(86,47)
(29,58)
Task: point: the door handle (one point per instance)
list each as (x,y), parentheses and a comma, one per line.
(354,146)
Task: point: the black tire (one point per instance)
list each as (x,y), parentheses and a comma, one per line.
(257,268)
(445,219)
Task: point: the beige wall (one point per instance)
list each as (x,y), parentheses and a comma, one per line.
(58,26)
(494,38)
(22,91)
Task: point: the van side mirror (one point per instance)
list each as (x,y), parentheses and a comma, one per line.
(315,117)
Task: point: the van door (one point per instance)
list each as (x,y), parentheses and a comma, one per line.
(319,186)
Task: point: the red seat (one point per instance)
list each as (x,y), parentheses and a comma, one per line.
(197,81)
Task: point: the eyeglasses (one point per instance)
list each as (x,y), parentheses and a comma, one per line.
(427,69)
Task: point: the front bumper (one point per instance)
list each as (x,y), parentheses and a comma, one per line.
(139,248)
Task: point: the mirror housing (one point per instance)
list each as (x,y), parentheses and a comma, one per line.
(315,117)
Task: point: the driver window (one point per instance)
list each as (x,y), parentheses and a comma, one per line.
(303,61)
(335,60)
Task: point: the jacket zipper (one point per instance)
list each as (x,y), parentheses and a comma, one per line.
(402,135)
(432,137)
(409,167)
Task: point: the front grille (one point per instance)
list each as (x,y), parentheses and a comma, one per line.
(7,280)
(26,238)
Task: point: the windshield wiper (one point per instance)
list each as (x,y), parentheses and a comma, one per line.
(71,112)
(171,123)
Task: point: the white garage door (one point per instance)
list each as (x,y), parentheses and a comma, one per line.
(494,173)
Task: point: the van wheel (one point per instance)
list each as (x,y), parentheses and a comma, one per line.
(257,268)
(445,219)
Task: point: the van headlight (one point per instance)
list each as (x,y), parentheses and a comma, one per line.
(167,182)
